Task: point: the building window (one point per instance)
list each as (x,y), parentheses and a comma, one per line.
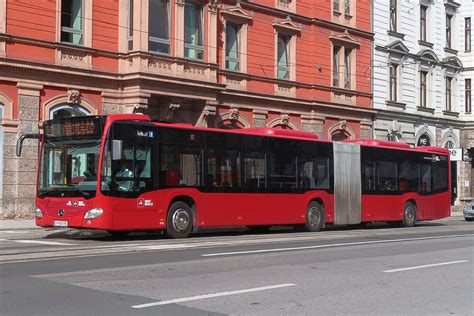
(335,5)
(67,110)
(423,10)
(468,100)
(72,26)
(130,25)
(393,15)
(339,135)
(159,26)
(347,7)
(393,82)
(283,57)
(467,34)
(232,47)
(448,30)
(424,140)
(423,76)
(335,63)
(193,31)
(347,68)
(448,93)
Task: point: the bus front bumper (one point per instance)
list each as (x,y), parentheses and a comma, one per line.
(103,221)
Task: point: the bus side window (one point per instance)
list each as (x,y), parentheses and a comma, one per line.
(223,162)
(180,165)
(254,156)
(425,178)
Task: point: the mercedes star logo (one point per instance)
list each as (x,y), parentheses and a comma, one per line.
(61,212)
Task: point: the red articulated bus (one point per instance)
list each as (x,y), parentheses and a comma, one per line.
(124,173)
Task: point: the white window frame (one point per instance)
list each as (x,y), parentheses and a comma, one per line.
(287,39)
(196,48)
(86,23)
(157,39)
(238,31)
(63,106)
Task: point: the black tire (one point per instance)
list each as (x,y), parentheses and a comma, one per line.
(409,215)
(118,234)
(180,220)
(470,219)
(259,229)
(314,217)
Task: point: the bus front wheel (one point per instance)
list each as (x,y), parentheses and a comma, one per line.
(409,215)
(314,217)
(180,220)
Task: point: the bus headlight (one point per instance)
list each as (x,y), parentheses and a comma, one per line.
(38,213)
(93,213)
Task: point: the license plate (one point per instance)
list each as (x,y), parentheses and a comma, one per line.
(60,223)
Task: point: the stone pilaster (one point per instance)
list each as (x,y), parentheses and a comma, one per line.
(19,173)
(313,123)
(259,118)
(466,191)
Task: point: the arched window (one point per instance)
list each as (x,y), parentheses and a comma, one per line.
(67,110)
(449,144)
(230,124)
(424,140)
(339,135)
(282,126)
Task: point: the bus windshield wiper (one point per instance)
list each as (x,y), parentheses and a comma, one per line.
(82,192)
(52,192)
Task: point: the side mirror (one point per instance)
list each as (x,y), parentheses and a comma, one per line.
(117,149)
(19,142)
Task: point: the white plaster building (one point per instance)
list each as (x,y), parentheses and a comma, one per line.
(466,54)
(418,79)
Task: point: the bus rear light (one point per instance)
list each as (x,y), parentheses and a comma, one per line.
(93,213)
(38,213)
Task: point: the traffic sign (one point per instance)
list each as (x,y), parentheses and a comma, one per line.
(456,154)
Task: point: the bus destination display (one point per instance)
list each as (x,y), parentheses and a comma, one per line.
(73,128)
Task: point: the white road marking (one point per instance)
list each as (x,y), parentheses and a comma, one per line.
(165,247)
(1,239)
(328,245)
(41,242)
(426,266)
(15,231)
(205,296)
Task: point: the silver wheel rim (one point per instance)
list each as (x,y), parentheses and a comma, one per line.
(313,216)
(410,215)
(181,220)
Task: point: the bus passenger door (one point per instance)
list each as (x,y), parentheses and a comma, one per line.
(131,182)
(347,183)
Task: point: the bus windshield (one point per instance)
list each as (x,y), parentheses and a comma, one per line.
(69,168)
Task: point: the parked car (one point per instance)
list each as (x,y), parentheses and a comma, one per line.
(469,211)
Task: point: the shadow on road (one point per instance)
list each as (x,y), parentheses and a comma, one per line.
(100,235)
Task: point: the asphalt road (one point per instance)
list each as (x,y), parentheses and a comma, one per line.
(426,270)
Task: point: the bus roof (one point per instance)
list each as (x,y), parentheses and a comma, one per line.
(398,145)
(264,131)
(276,132)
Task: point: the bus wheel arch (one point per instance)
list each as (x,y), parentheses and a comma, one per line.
(409,214)
(181,217)
(315,215)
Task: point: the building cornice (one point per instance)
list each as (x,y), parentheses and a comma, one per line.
(308,20)
(410,117)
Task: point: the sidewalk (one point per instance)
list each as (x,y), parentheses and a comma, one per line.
(9,224)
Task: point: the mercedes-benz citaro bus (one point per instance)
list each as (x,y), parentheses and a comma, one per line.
(125,173)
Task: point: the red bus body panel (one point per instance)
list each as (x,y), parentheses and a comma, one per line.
(149,210)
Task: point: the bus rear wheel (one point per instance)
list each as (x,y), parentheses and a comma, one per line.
(409,215)
(314,217)
(180,220)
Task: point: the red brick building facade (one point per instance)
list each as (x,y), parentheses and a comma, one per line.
(292,64)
